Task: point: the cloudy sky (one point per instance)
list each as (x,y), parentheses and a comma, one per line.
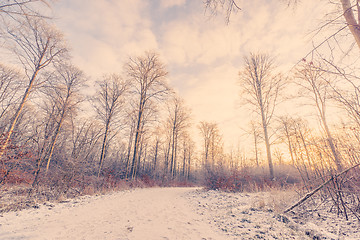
(202,53)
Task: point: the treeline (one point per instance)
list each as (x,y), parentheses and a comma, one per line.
(57,132)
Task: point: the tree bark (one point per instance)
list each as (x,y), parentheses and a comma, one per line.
(53,142)
(136,145)
(335,153)
(265,128)
(102,155)
(256,149)
(155,155)
(129,152)
(351,21)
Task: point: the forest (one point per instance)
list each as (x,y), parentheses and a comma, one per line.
(64,135)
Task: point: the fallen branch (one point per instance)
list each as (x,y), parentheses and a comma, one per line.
(308,195)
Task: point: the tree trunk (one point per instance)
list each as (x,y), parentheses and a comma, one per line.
(265,127)
(175,157)
(102,155)
(155,155)
(184,161)
(333,149)
(189,164)
(167,153)
(129,152)
(172,161)
(268,152)
(290,149)
(136,146)
(52,146)
(57,131)
(267,142)
(352,22)
(256,149)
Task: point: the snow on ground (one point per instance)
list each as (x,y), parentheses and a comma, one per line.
(167,213)
(153,213)
(259,216)
(246,216)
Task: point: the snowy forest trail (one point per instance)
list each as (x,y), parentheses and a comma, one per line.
(175,214)
(155,213)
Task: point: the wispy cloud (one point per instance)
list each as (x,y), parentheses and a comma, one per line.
(203,55)
(104,33)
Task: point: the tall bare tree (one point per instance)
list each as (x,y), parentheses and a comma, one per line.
(62,97)
(148,75)
(187,155)
(178,121)
(212,141)
(109,104)
(286,126)
(260,89)
(36,44)
(63,89)
(315,84)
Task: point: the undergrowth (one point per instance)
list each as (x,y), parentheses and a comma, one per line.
(250,179)
(16,195)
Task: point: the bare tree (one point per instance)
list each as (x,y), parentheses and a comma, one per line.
(63,89)
(108,104)
(314,81)
(148,76)
(260,89)
(206,130)
(287,132)
(212,143)
(187,155)
(178,121)
(36,44)
(62,97)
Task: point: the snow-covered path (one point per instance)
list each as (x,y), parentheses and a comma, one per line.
(155,213)
(175,213)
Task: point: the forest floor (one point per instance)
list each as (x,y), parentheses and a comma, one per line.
(174,213)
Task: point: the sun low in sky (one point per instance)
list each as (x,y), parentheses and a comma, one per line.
(203,54)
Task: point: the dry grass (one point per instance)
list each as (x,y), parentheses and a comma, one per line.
(15,197)
(252,179)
